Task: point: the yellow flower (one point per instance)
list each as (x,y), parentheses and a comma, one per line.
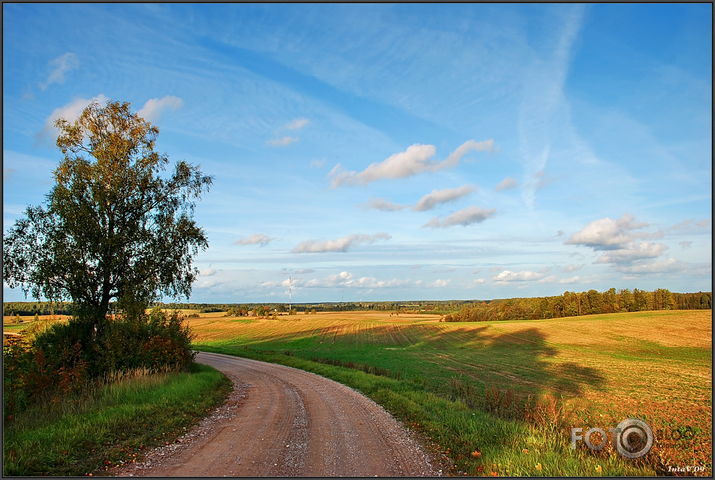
(538,466)
(599,469)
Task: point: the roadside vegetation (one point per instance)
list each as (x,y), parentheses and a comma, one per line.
(116,422)
(114,234)
(500,397)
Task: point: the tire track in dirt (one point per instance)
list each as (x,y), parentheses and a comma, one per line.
(288,422)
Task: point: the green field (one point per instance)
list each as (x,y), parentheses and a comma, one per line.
(509,390)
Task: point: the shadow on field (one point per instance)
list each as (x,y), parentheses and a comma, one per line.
(469,362)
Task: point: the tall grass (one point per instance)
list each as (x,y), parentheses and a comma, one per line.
(131,412)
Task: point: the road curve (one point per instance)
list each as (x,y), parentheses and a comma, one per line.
(288,422)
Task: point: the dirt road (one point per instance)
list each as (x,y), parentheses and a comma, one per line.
(281,421)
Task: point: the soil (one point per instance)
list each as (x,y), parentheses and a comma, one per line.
(284,422)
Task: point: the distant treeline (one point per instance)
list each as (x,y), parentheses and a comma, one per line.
(585,303)
(424,306)
(568,304)
(39,308)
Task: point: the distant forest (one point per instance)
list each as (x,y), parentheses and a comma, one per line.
(585,303)
(568,304)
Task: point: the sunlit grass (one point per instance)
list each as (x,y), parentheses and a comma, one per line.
(85,434)
(600,368)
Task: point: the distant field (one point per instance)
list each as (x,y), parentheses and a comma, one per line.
(601,368)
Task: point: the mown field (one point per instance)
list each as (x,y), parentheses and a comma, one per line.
(500,397)
(534,379)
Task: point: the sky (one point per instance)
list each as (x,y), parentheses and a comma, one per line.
(365,152)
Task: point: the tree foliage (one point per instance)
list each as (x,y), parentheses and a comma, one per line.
(114,226)
(571,304)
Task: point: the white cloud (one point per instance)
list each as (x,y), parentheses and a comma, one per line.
(606,233)
(282,142)
(60,66)
(506,184)
(439,283)
(691,226)
(555,279)
(255,239)
(207,279)
(154,107)
(631,252)
(151,111)
(301,271)
(468,146)
(617,240)
(338,245)
(438,197)
(478,281)
(69,112)
(208,272)
(317,163)
(347,280)
(384,205)
(507,276)
(414,160)
(297,124)
(665,266)
(466,216)
(572,268)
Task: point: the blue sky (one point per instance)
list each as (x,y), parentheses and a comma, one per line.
(379,152)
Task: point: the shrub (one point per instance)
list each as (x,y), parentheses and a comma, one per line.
(67,358)
(17,361)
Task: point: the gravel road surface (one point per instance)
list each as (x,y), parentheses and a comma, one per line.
(280,421)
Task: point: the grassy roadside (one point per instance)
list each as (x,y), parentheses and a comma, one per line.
(505,447)
(122,419)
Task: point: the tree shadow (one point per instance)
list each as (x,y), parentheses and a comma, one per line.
(435,354)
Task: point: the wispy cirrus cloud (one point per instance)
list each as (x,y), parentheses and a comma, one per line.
(464,217)
(294,125)
(340,244)
(542,98)
(282,141)
(415,160)
(60,67)
(297,123)
(255,239)
(506,184)
(691,226)
(384,205)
